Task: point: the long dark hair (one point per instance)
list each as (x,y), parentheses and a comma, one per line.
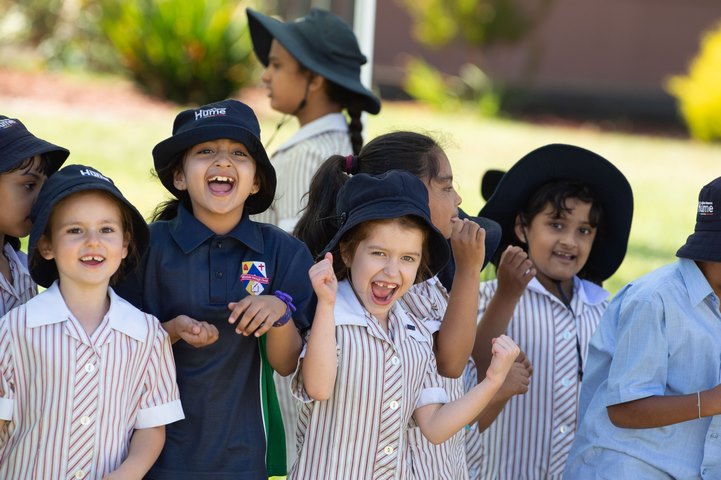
(413,152)
(352,103)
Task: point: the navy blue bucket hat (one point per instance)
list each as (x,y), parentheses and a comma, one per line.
(68,181)
(391,195)
(18,144)
(704,244)
(321,42)
(558,162)
(227,119)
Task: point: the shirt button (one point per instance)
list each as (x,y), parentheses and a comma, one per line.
(218,274)
(80,474)
(395,360)
(565,382)
(393,405)
(85,420)
(567,335)
(388,450)
(714,435)
(563,429)
(89,367)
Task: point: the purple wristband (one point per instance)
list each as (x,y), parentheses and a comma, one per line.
(289,308)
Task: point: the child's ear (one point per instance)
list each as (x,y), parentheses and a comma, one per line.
(45,248)
(345,255)
(316,83)
(256,186)
(520,230)
(179,180)
(126,244)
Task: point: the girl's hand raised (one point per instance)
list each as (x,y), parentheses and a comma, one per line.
(323,279)
(505,351)
(468,242)
(515,270)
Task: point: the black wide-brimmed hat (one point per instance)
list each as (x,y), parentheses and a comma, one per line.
(18,144)
(391,195)
(68,181)
(229,119)
(489,181)
(567,162)
(321,42)
(704,244)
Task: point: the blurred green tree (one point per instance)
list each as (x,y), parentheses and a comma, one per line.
(699,91)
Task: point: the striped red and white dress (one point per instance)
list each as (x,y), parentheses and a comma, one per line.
(360,432)
(428,301)
(532,437)
(21,288)
(73,400)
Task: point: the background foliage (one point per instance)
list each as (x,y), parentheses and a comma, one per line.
(699,92)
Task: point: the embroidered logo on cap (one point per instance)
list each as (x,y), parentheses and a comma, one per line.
(93,173)
(7,122)
(254,277)
(209,112)
(705,208)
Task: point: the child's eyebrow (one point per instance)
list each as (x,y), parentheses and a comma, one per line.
(380,247)
(444,178)
(30,173)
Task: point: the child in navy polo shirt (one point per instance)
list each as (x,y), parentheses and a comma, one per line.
(25,162)
(87,381)
(225,288)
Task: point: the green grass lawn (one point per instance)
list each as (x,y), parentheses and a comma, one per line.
(665,173)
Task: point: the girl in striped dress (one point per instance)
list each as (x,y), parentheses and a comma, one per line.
(367,371)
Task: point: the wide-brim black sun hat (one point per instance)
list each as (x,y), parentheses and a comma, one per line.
(321,42)
(18,144)
(68,181)
(229,119)
(704,244)
(391,195)
(558,162)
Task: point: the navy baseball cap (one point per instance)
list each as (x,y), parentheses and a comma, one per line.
(391,195)
(226,119)
(18,144)
(68,181)
(704,244)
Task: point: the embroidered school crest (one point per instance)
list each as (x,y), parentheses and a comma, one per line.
(254,277)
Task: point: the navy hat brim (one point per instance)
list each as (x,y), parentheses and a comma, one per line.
(702,247)
(166,152)
(18,144)
(263,29)
(44,272)
(557,162)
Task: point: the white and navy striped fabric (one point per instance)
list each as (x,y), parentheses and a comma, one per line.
(297,160)
(428,301)
(20,288)
(532,437)
(360,432)
(73,400)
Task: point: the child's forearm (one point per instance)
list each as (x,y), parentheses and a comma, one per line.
(144,449)
(454,341)
(169,327)
(283,347)
(663,410)
(320,362)
(494,322)
(439,422)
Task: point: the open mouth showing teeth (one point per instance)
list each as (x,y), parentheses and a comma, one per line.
(220,184)
(92,259)
(383,291)
(565,256)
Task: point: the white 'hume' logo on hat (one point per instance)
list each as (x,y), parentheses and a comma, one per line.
(7,122)
(705,208)
(93,173)
(209,112)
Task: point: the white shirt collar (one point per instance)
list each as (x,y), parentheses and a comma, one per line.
(14,258)
(332,122)
(588,292)
(49,307)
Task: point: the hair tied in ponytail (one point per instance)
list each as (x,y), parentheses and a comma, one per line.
(350,166)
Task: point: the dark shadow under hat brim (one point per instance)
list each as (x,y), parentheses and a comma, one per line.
(557,162)
(166,151)
(263,29)
(702,246)
(44,272)
(437,244)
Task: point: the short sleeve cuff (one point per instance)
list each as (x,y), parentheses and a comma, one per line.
(430,396)
(615,398)
(6,408)
(432,325)
(159,415)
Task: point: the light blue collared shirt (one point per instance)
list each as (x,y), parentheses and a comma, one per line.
(661,335)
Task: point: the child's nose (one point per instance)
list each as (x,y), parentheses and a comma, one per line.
(223,159)
(391,267)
